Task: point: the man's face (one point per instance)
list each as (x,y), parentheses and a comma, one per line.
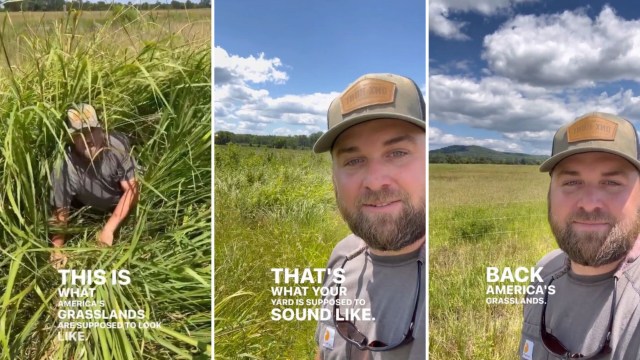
(379,180)
(88,142)
(594,207)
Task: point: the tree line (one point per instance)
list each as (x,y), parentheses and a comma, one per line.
(62,5)
(457,159)
(271,141)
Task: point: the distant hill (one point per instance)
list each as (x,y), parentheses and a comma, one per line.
(462,154)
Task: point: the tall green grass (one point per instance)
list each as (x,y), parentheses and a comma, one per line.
(480,216)
(273,209)
(154,86)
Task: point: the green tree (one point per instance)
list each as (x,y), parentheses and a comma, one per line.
(223,137)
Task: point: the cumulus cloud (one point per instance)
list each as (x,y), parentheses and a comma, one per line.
(242,107)
(442,25)
(289,132)
(493,103)
(566,49)
(542,71)
(441,12)
(233,68)
(521,114)
(497,103)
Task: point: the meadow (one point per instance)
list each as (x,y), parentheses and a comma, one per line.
(273,209)
(123,28)
(149,77)
(481,216)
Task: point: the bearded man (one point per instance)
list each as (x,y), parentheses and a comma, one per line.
(592,283)
(376,138)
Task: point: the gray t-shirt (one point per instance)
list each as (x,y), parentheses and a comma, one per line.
(387,287)
(578,312)
(94,184)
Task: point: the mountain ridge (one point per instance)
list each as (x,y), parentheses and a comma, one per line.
(474,154)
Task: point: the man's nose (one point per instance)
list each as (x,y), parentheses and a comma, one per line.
(377,176)
(590,199)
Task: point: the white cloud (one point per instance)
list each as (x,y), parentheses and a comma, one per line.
(251,69)
(442,11)
(566,49)
(241,107)
(493,103)
(521,114)
(441,25)
(289,132)
(499,104)
(484,7)
(531,136)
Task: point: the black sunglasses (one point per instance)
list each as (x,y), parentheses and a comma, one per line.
(555,346)
(349,331)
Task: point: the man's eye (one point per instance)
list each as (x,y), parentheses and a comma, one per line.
(398,153)
(353,162)
(570,183)
(611,183)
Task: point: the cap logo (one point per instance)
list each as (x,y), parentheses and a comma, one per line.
(592,128)
(367,92)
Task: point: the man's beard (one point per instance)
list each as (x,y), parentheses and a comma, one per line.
(595,248)
(386,232)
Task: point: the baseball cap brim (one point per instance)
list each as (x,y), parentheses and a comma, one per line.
(325,142)
(550,163)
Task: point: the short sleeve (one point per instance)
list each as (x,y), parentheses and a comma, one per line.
(62,192)
(128,167)
(126,164)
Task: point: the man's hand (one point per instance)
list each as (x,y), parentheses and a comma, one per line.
(127,201)
(106,236)
(58,259)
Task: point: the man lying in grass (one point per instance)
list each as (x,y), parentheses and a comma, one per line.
(98,172)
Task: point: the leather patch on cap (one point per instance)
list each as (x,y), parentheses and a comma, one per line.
(367,92)
(592,128)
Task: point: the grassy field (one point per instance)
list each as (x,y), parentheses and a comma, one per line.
(123,28)
(150,79)
(273,209)
(480,216)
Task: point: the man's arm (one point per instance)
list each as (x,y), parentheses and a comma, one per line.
(127,201)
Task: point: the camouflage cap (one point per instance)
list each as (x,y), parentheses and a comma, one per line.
(82,116)
(595,131)
(370,97)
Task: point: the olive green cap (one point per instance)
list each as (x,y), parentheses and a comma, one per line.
(370,97)
(600,132)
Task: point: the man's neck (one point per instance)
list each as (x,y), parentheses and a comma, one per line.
(594,270)
(405,250)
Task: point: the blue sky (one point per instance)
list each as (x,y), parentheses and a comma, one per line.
(278,64)
(506,74)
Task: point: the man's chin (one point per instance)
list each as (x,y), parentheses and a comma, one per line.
(599,262)
(602,230)
(390,246)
